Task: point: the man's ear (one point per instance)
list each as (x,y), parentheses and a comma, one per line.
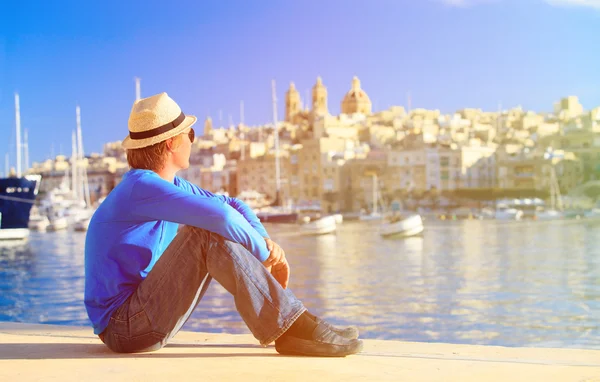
(169,143)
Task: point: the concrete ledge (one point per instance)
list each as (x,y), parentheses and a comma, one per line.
(65,353)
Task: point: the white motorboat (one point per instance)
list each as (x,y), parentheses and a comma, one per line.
(58,223)
(320,226)
(253,199)
(593,214)
(14,234)
(550,214)
(555,210)
(369,217)
(505,213)
(375,214)
(402,227)
(82,225)
(38,222)
(339,218)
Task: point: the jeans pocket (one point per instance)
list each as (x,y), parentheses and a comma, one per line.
(137,344)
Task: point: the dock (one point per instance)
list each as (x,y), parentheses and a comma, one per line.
(30,352)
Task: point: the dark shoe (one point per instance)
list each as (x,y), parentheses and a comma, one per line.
(324,343)
(350,332)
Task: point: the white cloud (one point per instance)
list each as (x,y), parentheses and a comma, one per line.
(558,3)
(575,3)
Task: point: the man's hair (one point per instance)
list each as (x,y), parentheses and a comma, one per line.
(151,157)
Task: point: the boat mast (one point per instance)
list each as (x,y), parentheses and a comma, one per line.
(137,89)
(552,194)
(18,138)
(556,191)
(26,146)
(374,194)
(83,178)
(276,139)
(74,167)
(242,130)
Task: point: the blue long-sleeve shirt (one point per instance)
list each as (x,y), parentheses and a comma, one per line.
(138,220)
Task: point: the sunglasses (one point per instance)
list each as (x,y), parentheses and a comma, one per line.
(192,135)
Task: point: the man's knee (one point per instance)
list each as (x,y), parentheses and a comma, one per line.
(195,231)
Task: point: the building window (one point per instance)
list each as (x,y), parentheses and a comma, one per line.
(444,161)
(444,175)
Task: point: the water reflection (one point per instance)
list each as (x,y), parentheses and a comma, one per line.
(481,282)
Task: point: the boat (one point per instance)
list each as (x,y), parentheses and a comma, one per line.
(339,218)
(504,212)
(592,214)
(67,205)
(82,225)
(38,222)
(487,213)
(253,199)
(556,206)
(277,212)
(320,226)
(17,194)
(550,214)
(398,226)
(374,215)
(370,217)
(57,223)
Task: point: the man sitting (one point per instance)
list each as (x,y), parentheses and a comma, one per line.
(143,278)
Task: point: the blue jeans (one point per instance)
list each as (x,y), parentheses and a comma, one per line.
(166,298)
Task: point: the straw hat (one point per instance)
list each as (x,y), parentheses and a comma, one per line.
(155,119)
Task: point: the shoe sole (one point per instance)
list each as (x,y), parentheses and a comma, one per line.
(353,350)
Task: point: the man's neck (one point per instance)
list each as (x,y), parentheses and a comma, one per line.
(167,173)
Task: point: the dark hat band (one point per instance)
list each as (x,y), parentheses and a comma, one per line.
(157,130)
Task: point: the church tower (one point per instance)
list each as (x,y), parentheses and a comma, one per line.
(319,98)
(208,127)
(292,103)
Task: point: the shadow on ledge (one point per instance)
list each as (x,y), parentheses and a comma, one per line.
(87,351)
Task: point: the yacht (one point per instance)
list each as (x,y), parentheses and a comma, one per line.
(17,194)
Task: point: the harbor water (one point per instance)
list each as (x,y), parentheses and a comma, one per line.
(474,282)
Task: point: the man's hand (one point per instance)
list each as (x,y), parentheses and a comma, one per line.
(281,272)
(277,263)
(276,253)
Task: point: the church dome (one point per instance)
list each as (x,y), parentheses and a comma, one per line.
(356,100)
(356,93)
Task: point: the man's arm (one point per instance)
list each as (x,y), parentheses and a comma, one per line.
(155,198)
(237,204)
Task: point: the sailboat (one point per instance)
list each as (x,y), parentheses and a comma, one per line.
(82,214)
(556,208)
(71,207)
(17,194)
(320,226)
(374,215)
(277,212)
(396,225)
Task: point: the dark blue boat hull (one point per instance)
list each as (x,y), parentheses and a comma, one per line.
(17,196)
(291,217)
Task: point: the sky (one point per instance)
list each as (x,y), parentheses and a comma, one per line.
(209,56)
